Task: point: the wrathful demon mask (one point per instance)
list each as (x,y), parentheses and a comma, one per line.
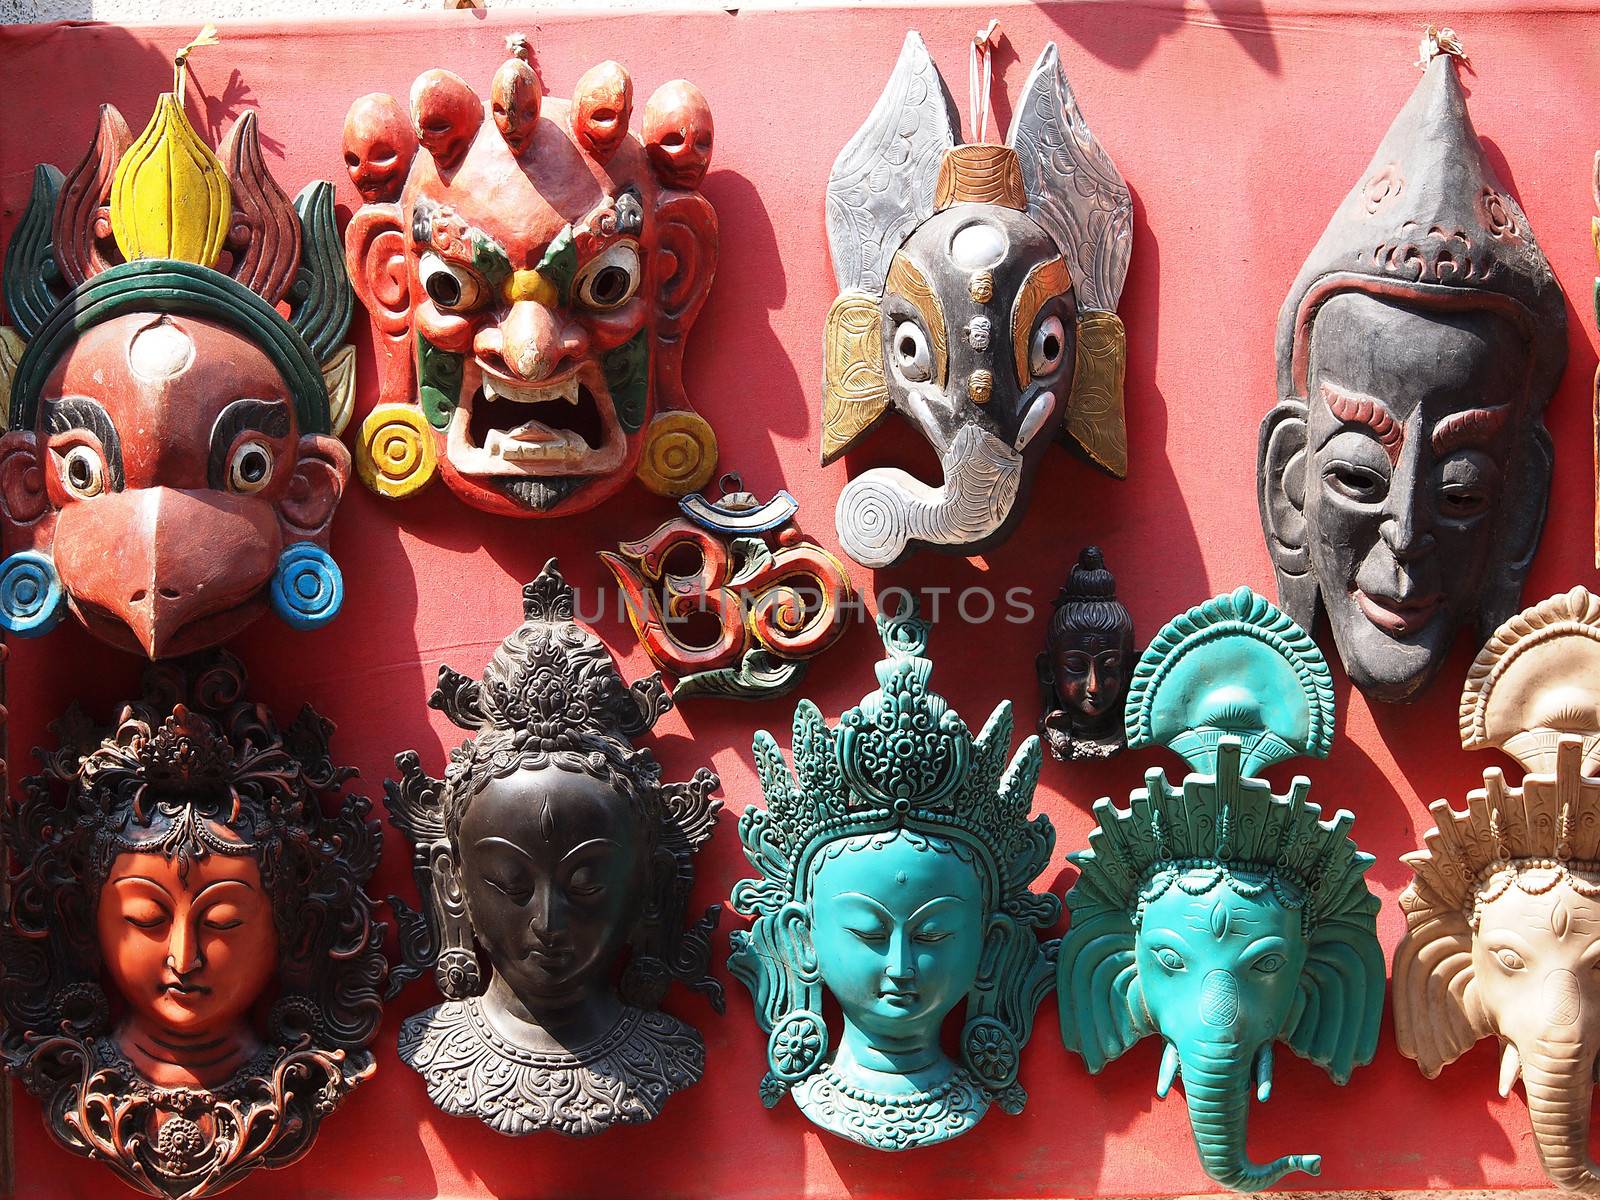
(1405,470)
(192,975)
(977,294)
(895,868)
(532,269)
(552,846)
(171,467)
(1503,919)
(1218,915)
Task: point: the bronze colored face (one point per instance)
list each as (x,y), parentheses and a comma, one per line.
(190,951)
(1414,419)
(554,867)
(1090,671)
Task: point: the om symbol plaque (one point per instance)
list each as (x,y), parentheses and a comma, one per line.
(760,602)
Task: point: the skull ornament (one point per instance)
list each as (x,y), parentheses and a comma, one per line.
(172,466)
(379,144)
(515,97)
(602,104)
(977,293)
(532,282)
(678,134)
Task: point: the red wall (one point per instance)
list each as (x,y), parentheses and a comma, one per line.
(1239,126)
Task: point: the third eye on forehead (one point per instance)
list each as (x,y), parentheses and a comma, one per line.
(978,246)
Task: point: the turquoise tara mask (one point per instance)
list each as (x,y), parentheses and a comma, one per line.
(1218,915)
(894,873)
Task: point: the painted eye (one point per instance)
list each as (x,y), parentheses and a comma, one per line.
(250,468)
(1169,958)
(1048,349)
(83,472)
(611,279)
(1509,959)
(449,286)
(912,360)
(1269,964)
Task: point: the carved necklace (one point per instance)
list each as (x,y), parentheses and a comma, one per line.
(622,1077)
(892,1122)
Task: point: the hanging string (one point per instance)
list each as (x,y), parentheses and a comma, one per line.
(1437,41)
(980,78)
(180,61)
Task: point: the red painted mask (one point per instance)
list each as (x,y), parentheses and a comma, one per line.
(160,439)
(531,281)
(172,466)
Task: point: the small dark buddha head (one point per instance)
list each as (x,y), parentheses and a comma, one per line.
(1084,669)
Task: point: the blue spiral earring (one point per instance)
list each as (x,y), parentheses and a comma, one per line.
(32,600)
(307,586)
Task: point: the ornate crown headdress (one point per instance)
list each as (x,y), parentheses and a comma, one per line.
(159,223)
(551,696)
(1232,685)
(1531,692)
(901,760)
(190,755)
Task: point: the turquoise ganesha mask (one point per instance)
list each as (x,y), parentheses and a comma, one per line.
(1219,915)
(894,873)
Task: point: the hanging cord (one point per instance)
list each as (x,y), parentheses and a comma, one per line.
(980,78)
(180,61)
(1437,41)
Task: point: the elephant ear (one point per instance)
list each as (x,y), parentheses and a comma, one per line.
(1438,1014)
(1097,988)
(1335,1017)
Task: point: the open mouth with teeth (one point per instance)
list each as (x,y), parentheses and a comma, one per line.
(557,427)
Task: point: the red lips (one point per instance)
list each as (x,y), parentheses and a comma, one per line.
(1398,617)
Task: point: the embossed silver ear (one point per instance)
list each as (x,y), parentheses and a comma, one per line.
(882,184)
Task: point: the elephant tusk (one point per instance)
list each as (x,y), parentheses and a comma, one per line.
(1510,1068)
(1169,1070)
(1264,1073)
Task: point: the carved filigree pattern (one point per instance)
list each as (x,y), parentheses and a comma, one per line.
(191,754)
(901,760)
(1074,189)
(622,1079)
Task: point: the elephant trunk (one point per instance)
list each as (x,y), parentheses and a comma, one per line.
(1558,1077)
(882,511)
(1216,1082)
